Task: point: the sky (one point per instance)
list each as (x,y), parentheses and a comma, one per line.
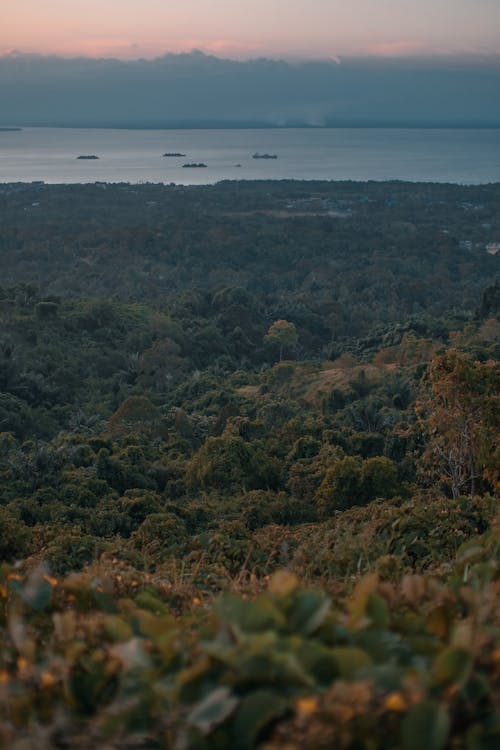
(244,29)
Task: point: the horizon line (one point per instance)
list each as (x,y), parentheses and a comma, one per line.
(14,54)
(260,125)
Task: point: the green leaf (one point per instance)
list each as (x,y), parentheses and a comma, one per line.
(90,684)
(256,711)
(381,645)
(146,600)
(454,665)
(318,661)
(248,616)
(37,591)
(261,658)
(309,611)
(350,661)
(213,710)
(377,611)
(274,667)
(427,725)
(117,629)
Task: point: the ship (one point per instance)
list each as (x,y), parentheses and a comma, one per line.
(264,156)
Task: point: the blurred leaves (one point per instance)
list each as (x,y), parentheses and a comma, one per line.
(411,665)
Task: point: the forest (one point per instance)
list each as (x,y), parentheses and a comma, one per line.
(250,466)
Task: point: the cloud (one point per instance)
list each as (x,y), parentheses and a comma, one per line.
(395,48)
(195,89)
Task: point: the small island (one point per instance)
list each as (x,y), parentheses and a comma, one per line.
(264,156)
(89,156)
(194,165)
(10,130)
(173,153)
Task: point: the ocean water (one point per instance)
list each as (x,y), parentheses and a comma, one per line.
(435,155)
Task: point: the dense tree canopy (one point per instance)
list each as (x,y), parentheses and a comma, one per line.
(223,388)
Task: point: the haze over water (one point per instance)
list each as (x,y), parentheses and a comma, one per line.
(434,155)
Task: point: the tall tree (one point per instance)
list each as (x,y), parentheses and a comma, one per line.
(460,420)
(283,334)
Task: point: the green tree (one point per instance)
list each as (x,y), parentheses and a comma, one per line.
(341,487)
(282,334)
(136,415)
(379,477)
(460,419)
(14,536)
(228,462)
(159,533)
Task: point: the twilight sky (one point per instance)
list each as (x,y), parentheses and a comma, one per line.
(250,28)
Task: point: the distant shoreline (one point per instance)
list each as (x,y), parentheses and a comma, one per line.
(257,126)
(40,184)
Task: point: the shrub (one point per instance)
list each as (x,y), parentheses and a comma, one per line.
(341,488)
(379,478)
(14,537)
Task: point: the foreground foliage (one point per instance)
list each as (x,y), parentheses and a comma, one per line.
(104,659)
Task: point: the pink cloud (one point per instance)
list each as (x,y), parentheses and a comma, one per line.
(397,48)
(126,48)
(227,46)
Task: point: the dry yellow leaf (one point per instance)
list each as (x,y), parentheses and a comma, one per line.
(306,706)
(47,679)
(395,702)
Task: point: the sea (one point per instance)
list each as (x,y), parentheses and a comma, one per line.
(136,156)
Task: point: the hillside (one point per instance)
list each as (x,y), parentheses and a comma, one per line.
(249,460)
